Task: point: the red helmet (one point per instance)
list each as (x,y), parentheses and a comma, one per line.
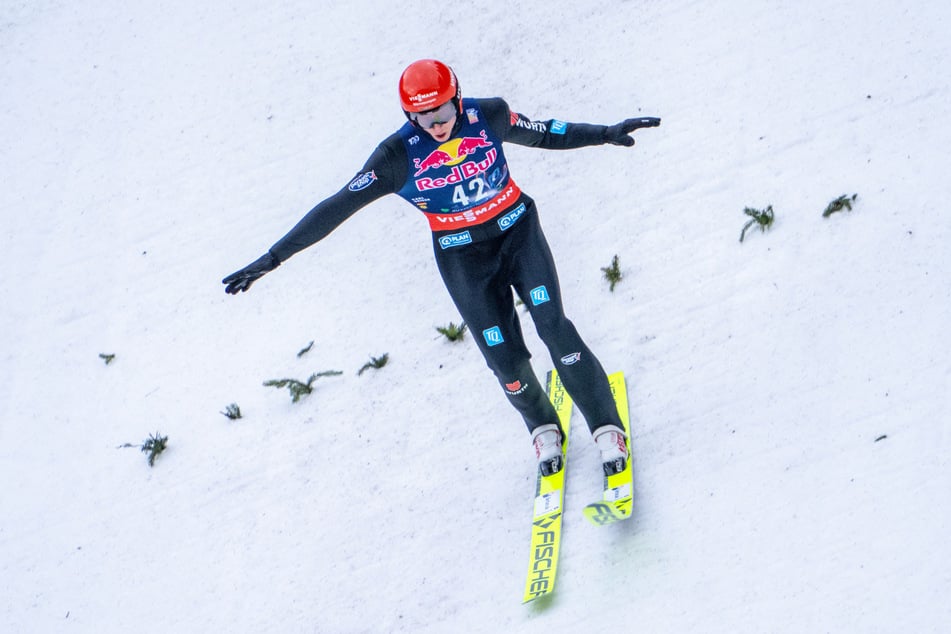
(427,83)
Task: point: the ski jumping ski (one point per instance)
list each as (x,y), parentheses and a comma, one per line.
(549,502)
(618,497)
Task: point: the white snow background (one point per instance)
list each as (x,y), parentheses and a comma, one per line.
(789,395)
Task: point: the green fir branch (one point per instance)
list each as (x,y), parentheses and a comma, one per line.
(108,358)
(452,332)
(840,203)
(232,412)
(375,363)
(154,446)
(612,273)
(300,388)
(305,350)
(763,219)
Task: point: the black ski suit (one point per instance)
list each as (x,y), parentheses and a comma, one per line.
(487,240)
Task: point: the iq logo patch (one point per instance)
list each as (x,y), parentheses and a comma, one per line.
(493,336)
(539,295)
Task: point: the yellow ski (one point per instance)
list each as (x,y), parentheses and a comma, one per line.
(549,500)
(618,498)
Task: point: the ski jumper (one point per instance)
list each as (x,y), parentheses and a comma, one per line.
(487,241)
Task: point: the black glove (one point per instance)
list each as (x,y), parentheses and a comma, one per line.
(243,279)
(619,133)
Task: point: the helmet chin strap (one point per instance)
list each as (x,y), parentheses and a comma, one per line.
(458,124)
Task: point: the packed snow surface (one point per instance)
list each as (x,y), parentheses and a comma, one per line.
(789,394)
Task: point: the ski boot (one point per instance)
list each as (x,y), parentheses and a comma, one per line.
(547,442)
(611,442)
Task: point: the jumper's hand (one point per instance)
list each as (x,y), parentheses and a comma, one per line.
(620,133)
(240,281)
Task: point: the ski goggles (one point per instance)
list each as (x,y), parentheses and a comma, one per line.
(429,118)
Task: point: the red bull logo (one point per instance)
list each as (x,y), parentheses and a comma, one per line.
(459,172)
(454,152)
(469,144)
(436,159)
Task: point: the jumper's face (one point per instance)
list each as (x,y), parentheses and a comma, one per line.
(442,131)
(438,121)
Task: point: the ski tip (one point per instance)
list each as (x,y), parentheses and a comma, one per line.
(604,513)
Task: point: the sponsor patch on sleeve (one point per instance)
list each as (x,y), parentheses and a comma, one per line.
(362,181)
(558,127)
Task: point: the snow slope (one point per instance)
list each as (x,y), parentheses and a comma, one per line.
(789,394)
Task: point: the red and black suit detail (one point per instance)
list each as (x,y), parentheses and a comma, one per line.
(487,241)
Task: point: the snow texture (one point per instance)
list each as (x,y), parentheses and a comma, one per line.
(789,395)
